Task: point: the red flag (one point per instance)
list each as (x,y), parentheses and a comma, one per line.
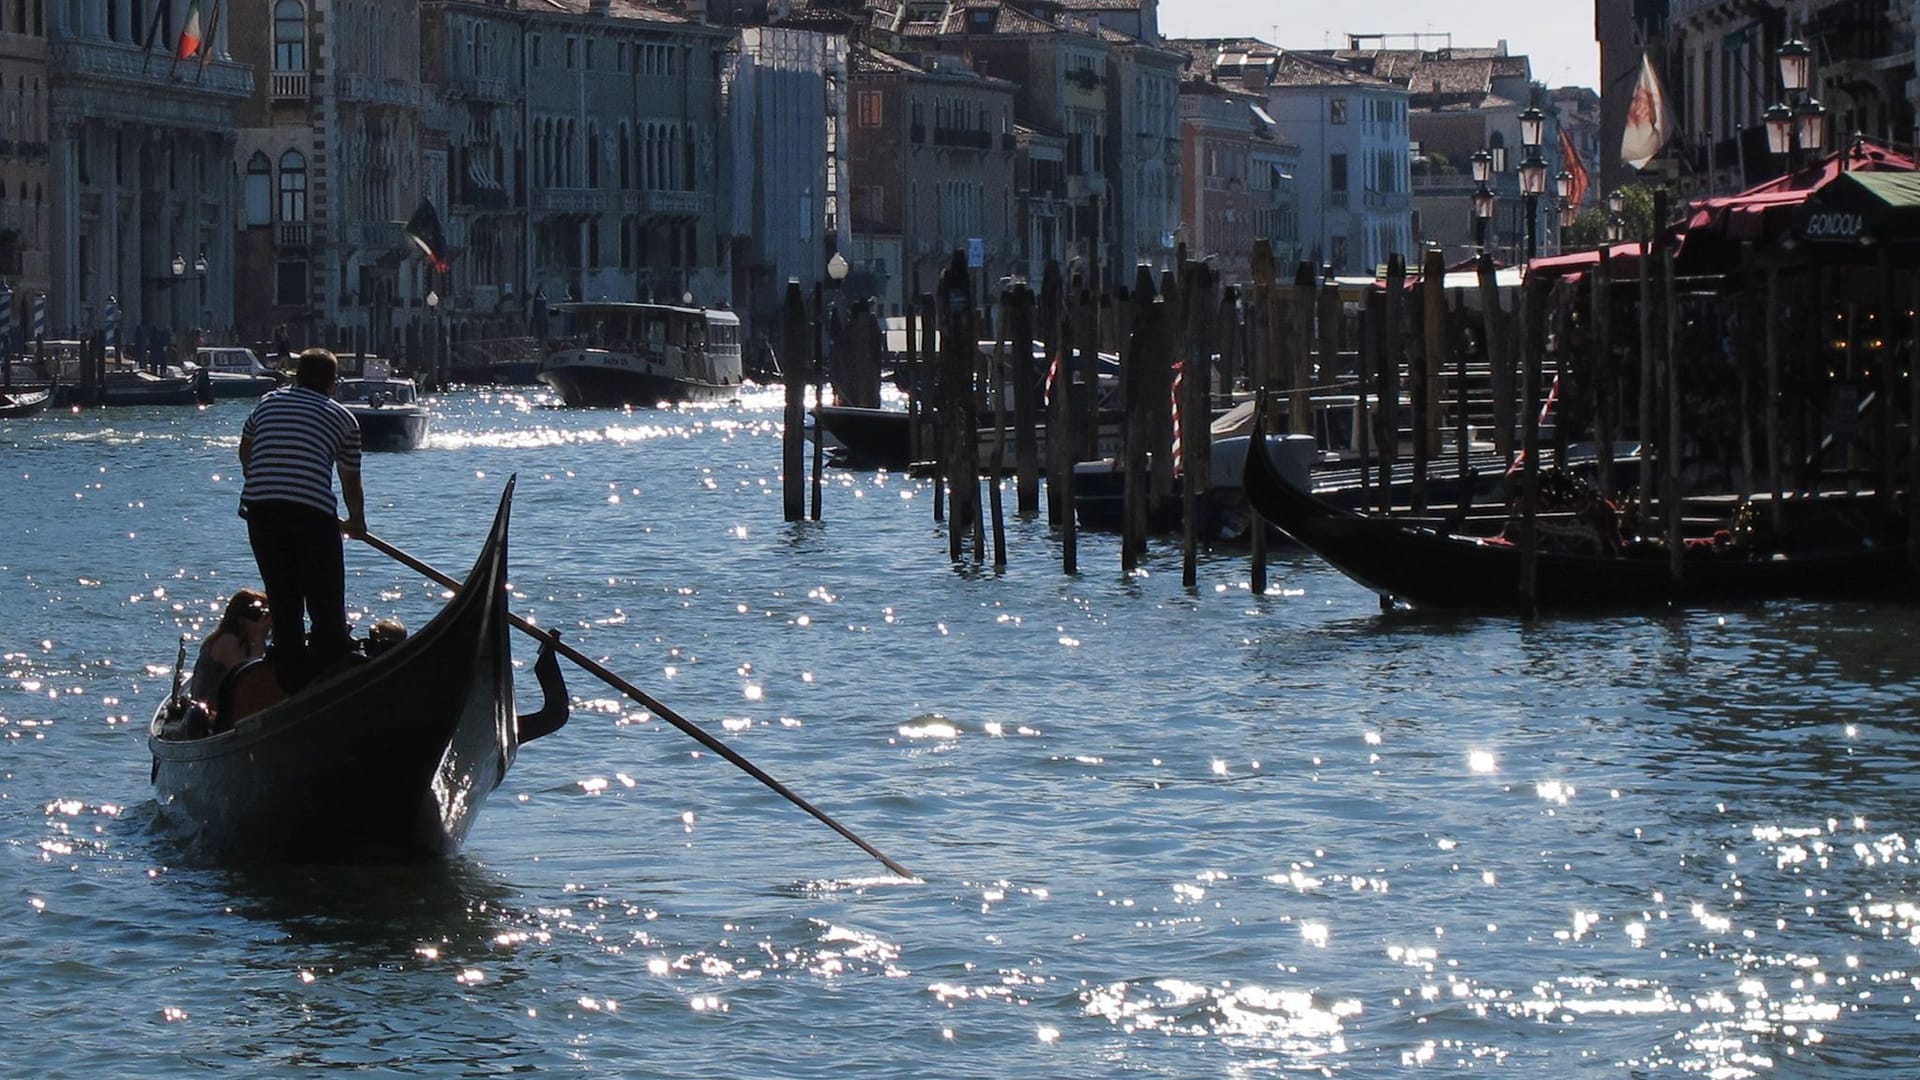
(1649,118)
(1574,165)
(191,35)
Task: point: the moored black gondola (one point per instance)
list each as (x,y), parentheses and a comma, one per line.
(1426,568)
(390,757)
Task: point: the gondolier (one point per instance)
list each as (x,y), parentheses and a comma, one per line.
(293,441)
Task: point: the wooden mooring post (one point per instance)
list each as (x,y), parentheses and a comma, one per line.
(793,345)
(959,438)
(1017,302)
(1264,333)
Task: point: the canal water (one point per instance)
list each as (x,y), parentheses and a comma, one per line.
(1157,831)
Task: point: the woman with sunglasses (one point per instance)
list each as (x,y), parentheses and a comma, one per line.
(240,636)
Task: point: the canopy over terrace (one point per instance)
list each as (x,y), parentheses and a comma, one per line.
(1764,216)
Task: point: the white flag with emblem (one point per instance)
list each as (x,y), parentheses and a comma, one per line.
(1649,118)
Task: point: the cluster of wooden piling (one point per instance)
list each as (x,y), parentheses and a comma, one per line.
(1390,345)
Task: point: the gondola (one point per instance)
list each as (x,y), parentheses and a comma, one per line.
(390,757)
(1426,568)
(22,402)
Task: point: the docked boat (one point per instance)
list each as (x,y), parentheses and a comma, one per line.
(146,388)
(389,409)
(1416,563)
(233,371)
(23,402)
(613,355)
(390,756)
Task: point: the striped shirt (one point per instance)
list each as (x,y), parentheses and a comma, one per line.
(298,436)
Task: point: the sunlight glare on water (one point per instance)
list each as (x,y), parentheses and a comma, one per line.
(1154,831)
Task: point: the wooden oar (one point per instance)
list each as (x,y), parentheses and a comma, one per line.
(653,706)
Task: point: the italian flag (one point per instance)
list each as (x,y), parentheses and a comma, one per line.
(192,35)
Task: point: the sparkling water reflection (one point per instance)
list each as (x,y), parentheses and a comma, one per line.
(1159,832)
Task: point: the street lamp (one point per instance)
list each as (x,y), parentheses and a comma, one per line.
(179,265)
(1533,126)
(1533,184)
(1483,206)
(1482,164)
(1810,124)
(1616,229)
(1795,63)
(1533,171)
(1801,118)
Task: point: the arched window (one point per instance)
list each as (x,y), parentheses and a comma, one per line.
(593,155)
(293,187)
(258,194)
(289,36)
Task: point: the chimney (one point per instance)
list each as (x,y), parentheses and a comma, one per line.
(599,8)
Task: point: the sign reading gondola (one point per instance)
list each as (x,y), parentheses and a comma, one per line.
(1834,225)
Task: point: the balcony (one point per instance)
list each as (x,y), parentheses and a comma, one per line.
(574,200)
(292,234)
(667,203)
(970,138)
(377,235)
(114,62)
(287,86)
(362,89)
(480,88)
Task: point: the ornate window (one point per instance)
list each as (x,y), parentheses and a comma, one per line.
(289,36)
(293,187)
(259,190)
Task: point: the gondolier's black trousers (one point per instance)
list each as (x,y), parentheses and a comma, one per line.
(303,568)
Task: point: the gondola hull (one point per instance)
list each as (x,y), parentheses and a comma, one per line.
(392,757)
(23,403)
(1430,569)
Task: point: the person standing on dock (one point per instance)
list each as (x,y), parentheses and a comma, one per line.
(293,441)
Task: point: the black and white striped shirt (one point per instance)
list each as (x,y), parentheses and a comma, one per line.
(298,436)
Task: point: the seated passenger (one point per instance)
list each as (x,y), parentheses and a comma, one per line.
(240,636)
(384,635)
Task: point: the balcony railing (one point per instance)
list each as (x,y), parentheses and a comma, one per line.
(369,90)
(971,138)
(480,87)
(378,235)
(574,200)
(112,60)
(667,203)
(293,234)
(288,86)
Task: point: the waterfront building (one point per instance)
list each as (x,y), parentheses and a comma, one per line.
(1238,179)
(1355,203)
(1059,64)
(1462,101)
(932,152)
(786,167)
(624,129)
(25,230)
(472,59)
(333,156)
(140,150)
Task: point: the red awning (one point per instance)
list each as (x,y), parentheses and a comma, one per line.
(1622,260)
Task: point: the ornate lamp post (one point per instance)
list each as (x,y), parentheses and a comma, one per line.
(1533,172)
(1801,118)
